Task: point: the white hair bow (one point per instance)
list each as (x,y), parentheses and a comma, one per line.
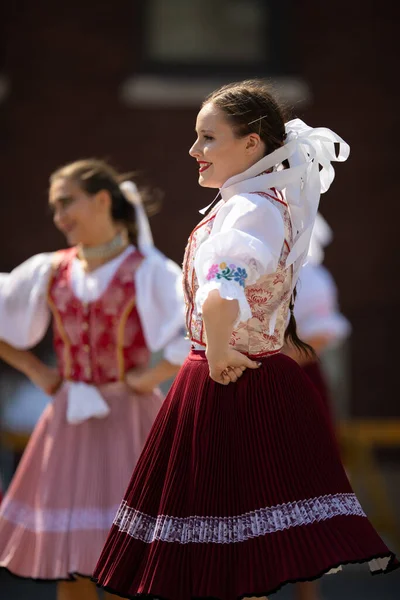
(311,151)
(132,195)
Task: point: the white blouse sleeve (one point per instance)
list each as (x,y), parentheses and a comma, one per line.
(161,306)
(316,307)
(245,243)
(24,313)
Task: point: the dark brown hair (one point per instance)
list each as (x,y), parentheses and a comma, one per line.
(93,175)
(250,106)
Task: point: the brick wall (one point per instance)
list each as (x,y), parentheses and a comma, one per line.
(66,62)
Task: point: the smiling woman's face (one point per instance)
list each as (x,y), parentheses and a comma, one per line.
(219,152)
(75,212)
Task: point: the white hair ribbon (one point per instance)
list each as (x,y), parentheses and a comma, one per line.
(314,148)
(132,195)
(310,152)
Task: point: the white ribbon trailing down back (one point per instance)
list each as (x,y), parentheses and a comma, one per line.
(314,150)
(85,402)
(310,152)
(132,195)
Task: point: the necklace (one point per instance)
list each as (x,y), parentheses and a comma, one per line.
(118,243)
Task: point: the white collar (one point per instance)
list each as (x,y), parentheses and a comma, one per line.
(256,179)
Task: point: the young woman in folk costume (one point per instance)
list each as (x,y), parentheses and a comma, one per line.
(321,325)
(240,488)
(114,300)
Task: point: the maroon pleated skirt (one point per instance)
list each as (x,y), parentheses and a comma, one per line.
(239,490)
(315,373)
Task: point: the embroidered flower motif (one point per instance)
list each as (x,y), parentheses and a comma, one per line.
(222,271)
(240,276)
(212,272)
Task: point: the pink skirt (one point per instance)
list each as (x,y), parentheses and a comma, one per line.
(61,503)
(239,490)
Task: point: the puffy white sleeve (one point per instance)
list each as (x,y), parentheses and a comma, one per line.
(24,313)
(316,308)
(161,307)
(245,243)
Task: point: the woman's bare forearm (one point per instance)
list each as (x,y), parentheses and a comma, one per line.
(22,360)
(161,372)
(219,317)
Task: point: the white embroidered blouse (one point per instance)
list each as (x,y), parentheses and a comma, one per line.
(240,249)
(25,314)
(252,246)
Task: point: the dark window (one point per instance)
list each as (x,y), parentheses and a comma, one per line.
(214,37)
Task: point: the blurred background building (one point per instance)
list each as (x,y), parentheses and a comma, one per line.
(123,80)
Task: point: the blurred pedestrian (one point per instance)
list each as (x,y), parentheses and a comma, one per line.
(114,299)
(319,320)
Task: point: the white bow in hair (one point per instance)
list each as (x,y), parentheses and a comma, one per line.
(316,143)
(312,150)
(306,149)
(132,195)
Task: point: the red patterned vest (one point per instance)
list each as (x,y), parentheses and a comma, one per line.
(268,298)
(97,342)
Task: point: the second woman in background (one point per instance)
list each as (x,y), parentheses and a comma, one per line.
(113,303)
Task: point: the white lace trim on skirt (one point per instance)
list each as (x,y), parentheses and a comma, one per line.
(57,519)
(230,530)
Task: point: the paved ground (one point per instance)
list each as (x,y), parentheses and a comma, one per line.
(353,584)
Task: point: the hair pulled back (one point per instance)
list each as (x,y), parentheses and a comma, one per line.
(94,175)
(251,107)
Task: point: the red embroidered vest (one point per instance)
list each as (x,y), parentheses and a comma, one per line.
(268,298)
(97,342)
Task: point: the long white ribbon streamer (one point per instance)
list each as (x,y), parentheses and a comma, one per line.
(145,237)
(310,152)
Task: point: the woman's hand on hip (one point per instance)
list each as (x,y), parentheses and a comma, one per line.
(228,366)
(140,381)
(46,378)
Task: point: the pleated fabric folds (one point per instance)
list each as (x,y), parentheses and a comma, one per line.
(57,512)
(239,490)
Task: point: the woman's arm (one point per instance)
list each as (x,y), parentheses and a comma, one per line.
(160,305)
(226,364)
(46,378)
(145,382)
(245,243)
